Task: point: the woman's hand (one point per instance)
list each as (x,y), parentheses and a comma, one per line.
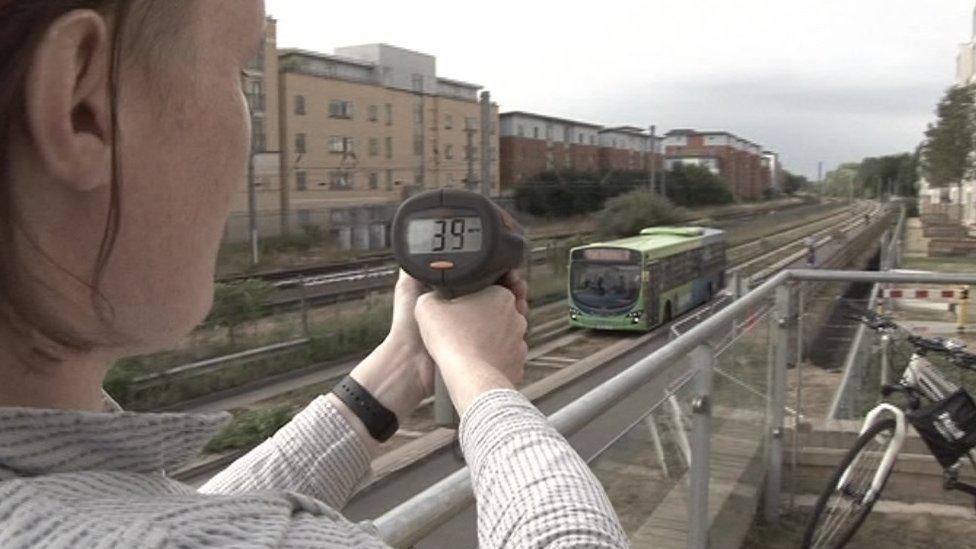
(477,340)
(399,373)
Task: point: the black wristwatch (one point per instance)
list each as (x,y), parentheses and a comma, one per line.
(379,421)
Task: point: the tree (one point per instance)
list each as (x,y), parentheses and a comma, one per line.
(895,173)
(238,302)
(793,182)
(690,185)
(947,157)
(627,214)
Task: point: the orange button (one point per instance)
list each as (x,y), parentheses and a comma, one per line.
(442,265)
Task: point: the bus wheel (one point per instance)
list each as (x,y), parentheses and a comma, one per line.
(667,312)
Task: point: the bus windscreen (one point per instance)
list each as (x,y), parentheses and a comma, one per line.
(606,286)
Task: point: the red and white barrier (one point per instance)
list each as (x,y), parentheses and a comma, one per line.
(912,293)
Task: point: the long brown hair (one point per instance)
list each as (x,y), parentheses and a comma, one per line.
(22,25)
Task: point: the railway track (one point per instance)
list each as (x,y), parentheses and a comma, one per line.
(313,289)
(555,350)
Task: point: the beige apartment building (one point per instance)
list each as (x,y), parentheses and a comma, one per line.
(260,82)
(359,126)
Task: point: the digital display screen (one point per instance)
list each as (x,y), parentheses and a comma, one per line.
(606,254)
(444,235)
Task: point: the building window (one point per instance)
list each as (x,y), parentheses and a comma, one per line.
(374,181)
(470,123)
(567,138)
(340,145)
(374,146)
(389,147)
(389,180)
(418,177)
(592,140)
(418,145)
(300,143)
(304,217)
(373,113)
(340,109)
(341,181)
(301,181)
(418,82)
(418,114)
(448,121)
(521,131)
(581,138)
(535,133)
(449,151)
(259,141)
(389,114)
(300,105)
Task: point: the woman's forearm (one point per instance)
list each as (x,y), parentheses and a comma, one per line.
(325,451)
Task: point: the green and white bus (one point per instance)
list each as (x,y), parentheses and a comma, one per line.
(640,282)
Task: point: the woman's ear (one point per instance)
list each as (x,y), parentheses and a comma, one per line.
(68,101)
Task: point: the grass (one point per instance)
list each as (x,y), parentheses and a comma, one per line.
(354,334)
(250,428)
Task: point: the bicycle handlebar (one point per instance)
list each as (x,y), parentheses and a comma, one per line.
(955,353)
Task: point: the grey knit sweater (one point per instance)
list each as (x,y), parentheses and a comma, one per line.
(81,479)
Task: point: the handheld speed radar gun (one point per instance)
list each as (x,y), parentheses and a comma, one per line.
(457,242)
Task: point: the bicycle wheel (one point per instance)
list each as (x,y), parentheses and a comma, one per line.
(840,510)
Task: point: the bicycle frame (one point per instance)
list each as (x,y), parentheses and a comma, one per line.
(920,376)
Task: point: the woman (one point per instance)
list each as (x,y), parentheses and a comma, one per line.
(123,132)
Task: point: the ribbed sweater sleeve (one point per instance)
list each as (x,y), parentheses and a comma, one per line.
(317,454)
(532,487)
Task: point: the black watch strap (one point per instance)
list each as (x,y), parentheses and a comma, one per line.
(379,421)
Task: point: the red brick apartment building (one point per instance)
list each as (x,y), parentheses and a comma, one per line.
(533,143)
(737,160)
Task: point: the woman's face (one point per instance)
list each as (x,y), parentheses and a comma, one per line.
(184,129)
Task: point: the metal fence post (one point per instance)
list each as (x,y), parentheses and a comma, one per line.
(303,290)
(798,416)
(703,361)
(782,326)
(885,358)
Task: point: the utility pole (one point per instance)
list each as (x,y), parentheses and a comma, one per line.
(486,123)
(252,206)
(469,152)
(651,161)
(820,180)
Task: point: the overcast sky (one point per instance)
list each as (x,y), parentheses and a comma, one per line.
(830,80)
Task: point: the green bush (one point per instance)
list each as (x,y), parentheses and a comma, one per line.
(696,186)
(250,428)
(563,194)
(238,302)
(627,214)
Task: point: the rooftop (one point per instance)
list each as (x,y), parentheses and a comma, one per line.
(550,118)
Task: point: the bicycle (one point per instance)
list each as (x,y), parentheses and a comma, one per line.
(947,425)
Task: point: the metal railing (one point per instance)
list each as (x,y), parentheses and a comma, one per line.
(859,352)
(417,517)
